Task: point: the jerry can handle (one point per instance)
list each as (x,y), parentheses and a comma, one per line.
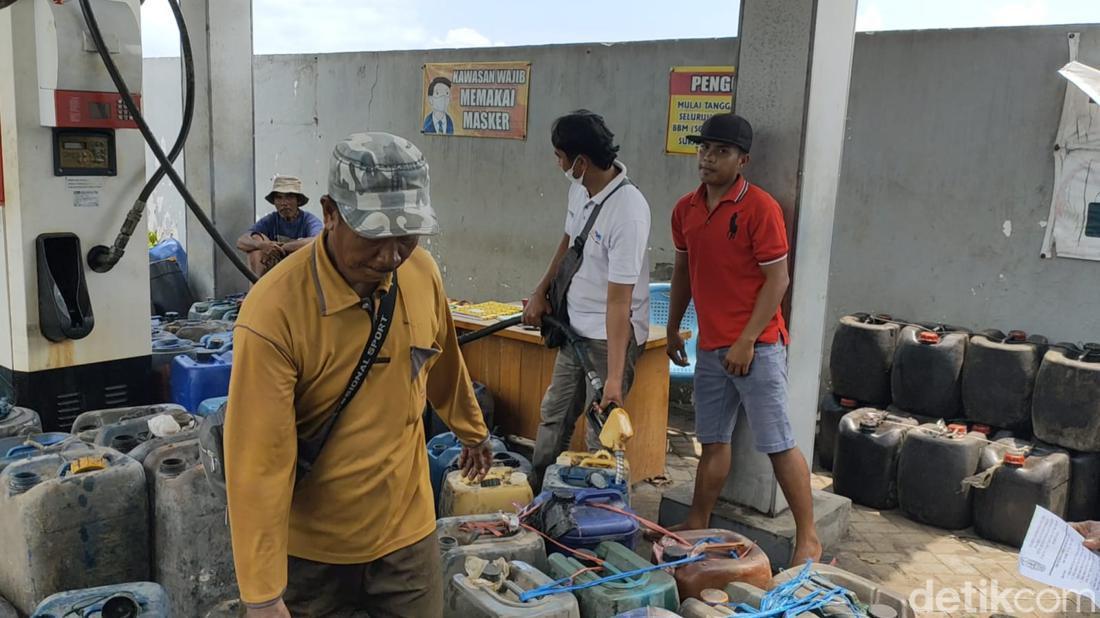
(598,495)
(33,446)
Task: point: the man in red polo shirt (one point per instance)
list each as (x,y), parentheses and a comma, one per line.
(731,257)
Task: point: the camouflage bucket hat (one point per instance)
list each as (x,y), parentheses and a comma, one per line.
(380,182)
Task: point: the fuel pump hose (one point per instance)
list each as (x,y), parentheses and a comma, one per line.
(98,258)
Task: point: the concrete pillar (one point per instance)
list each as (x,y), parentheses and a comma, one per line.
(793,73)
(220,150)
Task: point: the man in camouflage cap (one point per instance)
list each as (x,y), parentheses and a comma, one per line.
(356,535)
(380,183)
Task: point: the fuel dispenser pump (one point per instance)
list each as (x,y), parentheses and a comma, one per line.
(74,307)
(69,342)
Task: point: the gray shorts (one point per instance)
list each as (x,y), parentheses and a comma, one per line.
(719,398)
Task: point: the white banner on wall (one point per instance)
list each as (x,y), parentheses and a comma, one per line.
(1073,228)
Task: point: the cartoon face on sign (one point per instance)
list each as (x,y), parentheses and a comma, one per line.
(439,99)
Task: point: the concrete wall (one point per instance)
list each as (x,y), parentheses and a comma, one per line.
(949,138)
(501,203)
(163,103)
(949,148)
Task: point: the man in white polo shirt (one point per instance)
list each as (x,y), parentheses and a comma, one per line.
(607,297)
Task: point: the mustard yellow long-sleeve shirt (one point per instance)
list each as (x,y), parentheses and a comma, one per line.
(299,336)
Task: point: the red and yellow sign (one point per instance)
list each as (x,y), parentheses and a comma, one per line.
(695,94)
(476,99)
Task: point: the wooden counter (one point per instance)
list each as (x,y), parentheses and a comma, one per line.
(516,367)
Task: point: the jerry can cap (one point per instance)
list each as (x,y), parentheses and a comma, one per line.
(869,423)
(675,552)
(981,428)
(1016,336)
(491,573)
(845,402)
(712,596)
(598,480)
(87,464)
(928,337)
(957,429)
(1015,459)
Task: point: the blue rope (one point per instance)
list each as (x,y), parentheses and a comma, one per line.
(781,600)
(552,587)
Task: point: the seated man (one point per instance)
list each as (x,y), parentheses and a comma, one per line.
(282,232)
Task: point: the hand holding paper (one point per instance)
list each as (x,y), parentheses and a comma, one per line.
(1091,531)
(1054,553)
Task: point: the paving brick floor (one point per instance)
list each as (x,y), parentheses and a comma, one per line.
(902,555)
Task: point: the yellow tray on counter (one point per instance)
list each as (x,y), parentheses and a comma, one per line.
(491,310)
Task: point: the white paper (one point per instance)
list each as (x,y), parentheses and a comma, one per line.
(1084,77)
(86,199)
(84,183)
(1052,554)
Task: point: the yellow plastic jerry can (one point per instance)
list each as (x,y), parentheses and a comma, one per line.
(601,459)
(502,489)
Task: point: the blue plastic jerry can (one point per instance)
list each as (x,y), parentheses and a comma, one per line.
(136,600)
(578,520)
(195,380)
(169,248)
(575,478)
(218,342)
(16,448)
(210,406)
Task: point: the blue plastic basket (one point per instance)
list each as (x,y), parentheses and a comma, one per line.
(658,315)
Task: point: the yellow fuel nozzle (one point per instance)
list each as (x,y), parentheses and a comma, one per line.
(617,430)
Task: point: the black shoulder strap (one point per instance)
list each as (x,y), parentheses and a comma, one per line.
(580,240)
(310,450)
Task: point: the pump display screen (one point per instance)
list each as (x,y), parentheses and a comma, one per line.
(84,152)
(99,111)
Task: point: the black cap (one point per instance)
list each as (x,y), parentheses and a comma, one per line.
(726,128)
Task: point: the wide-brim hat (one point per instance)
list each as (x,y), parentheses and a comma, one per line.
(380,183)
(287,184)
(727,128)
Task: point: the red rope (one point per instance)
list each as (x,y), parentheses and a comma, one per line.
(581,554)
(742,549)
(573,577)
(645,522)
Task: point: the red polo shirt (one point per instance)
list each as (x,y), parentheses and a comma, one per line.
(726,248)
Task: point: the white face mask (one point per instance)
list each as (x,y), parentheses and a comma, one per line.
(569,174)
